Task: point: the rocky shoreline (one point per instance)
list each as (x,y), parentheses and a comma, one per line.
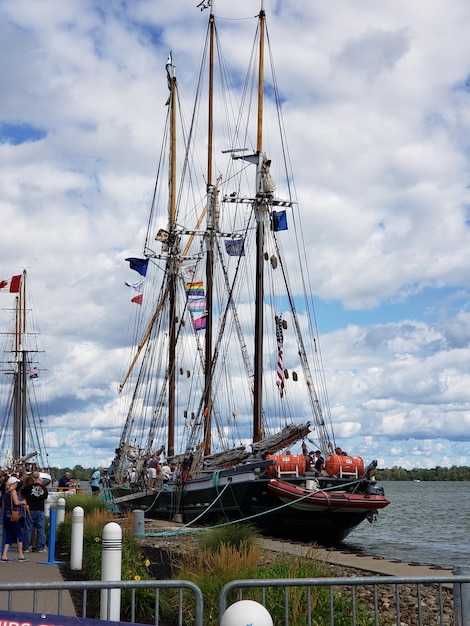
(429,601)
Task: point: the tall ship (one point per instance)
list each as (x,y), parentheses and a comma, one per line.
(226,383)
(22,397)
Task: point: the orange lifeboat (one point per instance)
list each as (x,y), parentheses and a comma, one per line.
(340,465)
(286,464)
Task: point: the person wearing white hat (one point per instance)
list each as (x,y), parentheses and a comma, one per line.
(13,529)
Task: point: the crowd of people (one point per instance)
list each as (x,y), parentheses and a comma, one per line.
(23,499)
(158,473)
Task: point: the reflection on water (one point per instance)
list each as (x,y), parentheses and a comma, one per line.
(426,522)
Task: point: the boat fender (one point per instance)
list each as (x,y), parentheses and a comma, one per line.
(215,478)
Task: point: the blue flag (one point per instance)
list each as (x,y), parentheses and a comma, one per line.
(139,265)
(279,220)
(235,247)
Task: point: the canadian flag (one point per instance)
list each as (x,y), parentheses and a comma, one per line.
(11,284)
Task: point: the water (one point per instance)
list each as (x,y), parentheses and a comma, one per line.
(426,522)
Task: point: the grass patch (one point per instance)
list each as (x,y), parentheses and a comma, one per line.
(235,535)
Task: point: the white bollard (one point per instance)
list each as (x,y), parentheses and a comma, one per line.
(139,522)
(60,511)
(111,570)
(246,612)
(76,550)
(47,508)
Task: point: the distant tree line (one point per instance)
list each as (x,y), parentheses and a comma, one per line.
(78,471)
(455,472)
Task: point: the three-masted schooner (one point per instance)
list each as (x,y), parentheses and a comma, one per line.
(227,381)
(22,434)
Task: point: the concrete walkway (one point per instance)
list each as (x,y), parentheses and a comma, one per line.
(376,565)
(36,570)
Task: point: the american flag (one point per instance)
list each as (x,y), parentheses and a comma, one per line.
(279,368)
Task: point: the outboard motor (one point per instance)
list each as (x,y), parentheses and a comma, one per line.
(375,490)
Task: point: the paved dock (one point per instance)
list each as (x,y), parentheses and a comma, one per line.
(36,570)
(365,563)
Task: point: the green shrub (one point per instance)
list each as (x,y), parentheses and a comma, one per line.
(236,535)
(87,502)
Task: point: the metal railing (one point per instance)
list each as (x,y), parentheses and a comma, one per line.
(408,600)
(386,600)
(82,588)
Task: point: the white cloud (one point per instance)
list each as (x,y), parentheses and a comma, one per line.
(376,108)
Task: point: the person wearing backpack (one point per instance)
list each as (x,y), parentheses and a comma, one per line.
(35,495)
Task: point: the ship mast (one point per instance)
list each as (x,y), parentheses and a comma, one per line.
(261,206)
(172,264)
(20,380)
(210,234)
(19,393)
(260,213)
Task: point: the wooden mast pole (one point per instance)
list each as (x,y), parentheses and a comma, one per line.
(262,26)
(209,238)
(260,226)
(20,401)
(173,249)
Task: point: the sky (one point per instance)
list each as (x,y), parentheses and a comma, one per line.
(376,100)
